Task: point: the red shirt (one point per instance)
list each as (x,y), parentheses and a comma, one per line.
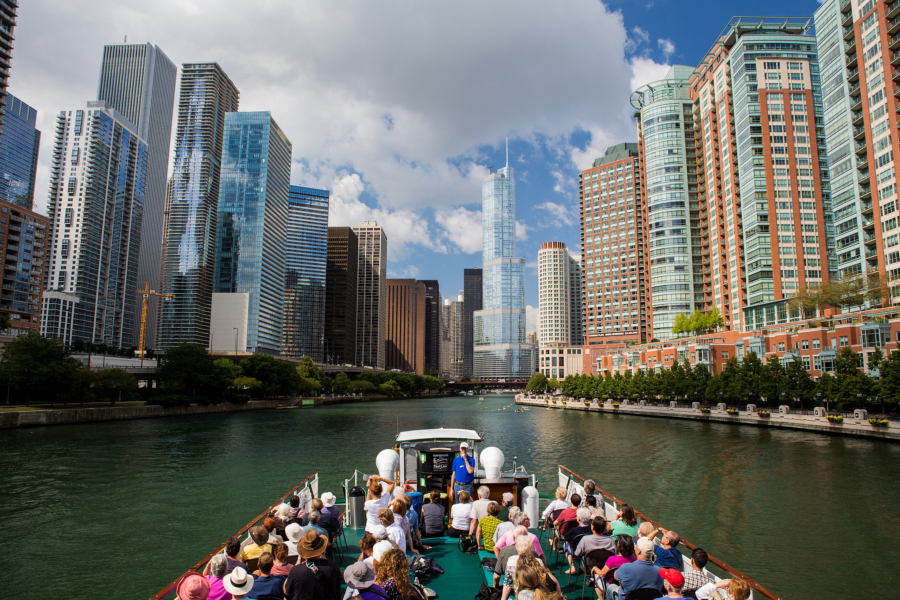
(567,515)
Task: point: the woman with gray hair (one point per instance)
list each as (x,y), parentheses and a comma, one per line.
(218,567)
(572,536)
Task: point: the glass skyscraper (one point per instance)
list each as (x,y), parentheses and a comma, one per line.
(19,147)
(500,349)
(306,254)
(252,223)
(205,97)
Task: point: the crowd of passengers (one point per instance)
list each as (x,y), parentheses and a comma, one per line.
(291,556)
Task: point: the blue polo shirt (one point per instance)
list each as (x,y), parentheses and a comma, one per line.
(462,474)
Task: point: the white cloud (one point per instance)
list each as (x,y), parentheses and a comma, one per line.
(522,231)
(560,214)
(407,272)
(531,315)
(646,70)
(667,47)
(461,227)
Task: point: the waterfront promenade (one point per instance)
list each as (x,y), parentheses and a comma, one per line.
(852,424)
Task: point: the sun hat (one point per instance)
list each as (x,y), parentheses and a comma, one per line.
(294,532)
(193,587)
(312,545)
(380,548)
(259,535)
(237,582)
(379,532)
(673,576)
(359,576)
(328,499)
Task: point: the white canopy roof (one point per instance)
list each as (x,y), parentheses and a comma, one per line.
(421,435)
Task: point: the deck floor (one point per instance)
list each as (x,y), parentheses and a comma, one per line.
(463,574)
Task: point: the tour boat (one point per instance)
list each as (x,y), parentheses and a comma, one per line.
(422,460)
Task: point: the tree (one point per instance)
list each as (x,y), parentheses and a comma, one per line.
(187,369)
(223,374)
(278,377)
(798,385)
(4,321)
(749,376)
(246,384)
(40,367)
(537,383)
(553,384)
(825,388)
(680,324)
(115,381)
(889,379)
(851,384)
(362,387)
(391,388)
(341,382)
(713,319)
(771,380)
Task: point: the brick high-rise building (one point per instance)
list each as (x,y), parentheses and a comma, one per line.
(340,296)
(404,344)
(23,256)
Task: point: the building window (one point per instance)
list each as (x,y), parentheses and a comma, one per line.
(844,341)
(804,345)
(815,344)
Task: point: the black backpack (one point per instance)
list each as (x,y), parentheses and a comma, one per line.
(468,545)
(488,593)
(424,567)
(489,563)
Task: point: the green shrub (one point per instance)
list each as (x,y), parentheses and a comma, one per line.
(169,401)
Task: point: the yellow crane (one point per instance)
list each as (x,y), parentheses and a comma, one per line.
(146,293)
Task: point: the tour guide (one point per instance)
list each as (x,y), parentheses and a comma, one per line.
(463,472)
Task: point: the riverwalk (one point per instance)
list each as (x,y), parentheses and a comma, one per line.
(851,424)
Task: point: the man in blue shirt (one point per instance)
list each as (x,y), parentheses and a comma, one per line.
(640,574)
(463,472)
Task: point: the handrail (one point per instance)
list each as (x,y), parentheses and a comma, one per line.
(722,565)
(168,589)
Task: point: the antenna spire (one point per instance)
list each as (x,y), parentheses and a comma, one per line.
(507,152)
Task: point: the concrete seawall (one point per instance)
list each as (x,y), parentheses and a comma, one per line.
(855,426)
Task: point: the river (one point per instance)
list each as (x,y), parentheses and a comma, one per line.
(117,510)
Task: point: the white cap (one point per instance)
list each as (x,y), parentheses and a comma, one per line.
(464,445)
(379,532)
(380,548)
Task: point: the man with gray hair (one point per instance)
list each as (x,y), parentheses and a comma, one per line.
(479,507)
(590,489)
(505,504)
(640,574)
(666,549)
(314,517)
(507,525)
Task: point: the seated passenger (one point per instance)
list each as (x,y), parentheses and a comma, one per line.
(313,524)
(267,584)
(666,550)
(326,521)
(566,519)
(523,546)
(625,523)
(433,516)
(260,537)
(193,587)
(642,573)
(378,551)
(697,576)
(314,576)
(583,529)
(330,509)
(232,554)
(412,517)
(217,569)
(238,583)
(560,503)
(392,574)
(507,525)
(484,532)
(281,566)
(509,538)
(534,582)
(644,531)
(590,490)
(269,524)
(505,504)
(366,544)
(293,532)
(734,589)
(399,508)
(592,505)
(479,507)
(673,580)
(460,515)
(624,555)
(295,507)
(395,534)
(360,577)
(281,515)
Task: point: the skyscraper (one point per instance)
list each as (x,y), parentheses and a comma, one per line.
(21,265)
(138,80)
(306,254)
(8,14)
(613,240)
(855,42)
(205,97)
(472,295)
(19,147)
(96,205)
(559,314)
(371,294)
(576,299)
(341,296)
(446,340)
(457,337)
(500,350)
(404,345)
(432,327)
(252,226)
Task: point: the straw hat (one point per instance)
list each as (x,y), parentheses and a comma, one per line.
(237,582)
(328,499)
(312,545)
(193,587)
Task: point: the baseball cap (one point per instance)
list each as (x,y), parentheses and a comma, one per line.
(673,576)
(464,445)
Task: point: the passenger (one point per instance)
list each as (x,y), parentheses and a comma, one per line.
(295,507)
(313,524)
(583,530)
(507,525)
(503,555)
(484,533)
(460,515)
(463,472)
(281,566)
(412,517)
(314,576)
(330,509)
(506,503)
(673,580)
(479,507)
(591,504)
(366,544)
(566,519)
(666,550)
(260,537)
(232,554)
(238,583)
(193,587)
(380,533)
(530,584)
(644,530)
(509,537)
(375,499)
(590,489)
(293,532)
(267,584)
(697,576)
(379,551)
(735,589)
(398,507)
(326,521)
(218,568)
(392,574)
(625,523)
(269,524)
(523,546)
(360,578)
(433,516)
(624,555)
(560,503)
(281,515)
(642,573)
(395,534)
(548,580)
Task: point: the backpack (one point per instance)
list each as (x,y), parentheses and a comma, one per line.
(488,593)
(489,563)
(468,545)
(424,566)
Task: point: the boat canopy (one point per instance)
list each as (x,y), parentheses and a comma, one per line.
(423,435)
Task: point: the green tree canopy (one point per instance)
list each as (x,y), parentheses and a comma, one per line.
(537,383)
(39,368)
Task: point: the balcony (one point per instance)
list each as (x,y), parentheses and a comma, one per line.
(861,148)
(866,207)
(863,177)
(854,90)
(856,105)
(853,75)
(858,119)
(893,26)
(895,58)
(847,21)
(894,42)
(891,10)
(865,192)
(859,133)
(850,48)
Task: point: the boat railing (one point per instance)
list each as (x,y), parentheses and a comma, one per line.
(573,482)
(306,489)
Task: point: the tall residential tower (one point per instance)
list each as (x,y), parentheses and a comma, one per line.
(371,295)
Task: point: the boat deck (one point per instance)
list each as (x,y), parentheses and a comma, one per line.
(463,574)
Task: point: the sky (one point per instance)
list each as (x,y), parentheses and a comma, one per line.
(401,108)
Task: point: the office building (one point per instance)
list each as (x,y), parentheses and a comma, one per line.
(251,228)
(23,249)
(432,327)
(500,350)
(859,96)
(96,205)
(404,345)
(306,250)
(576,298)
(8,13)
(138,80)
(561,360)
(341,296)
(446,339)
(554,304)
(371,295)
(458,319)
(614,255)
(472,295)
(19,147)
(206,95)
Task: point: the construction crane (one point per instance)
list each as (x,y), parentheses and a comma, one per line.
(146,293)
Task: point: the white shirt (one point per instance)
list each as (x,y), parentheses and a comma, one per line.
(706,592)
(461,515)
(397,535)
(555,505)
(292,547)
(372,507)
(479,510)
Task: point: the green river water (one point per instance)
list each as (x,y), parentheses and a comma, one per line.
(119,509)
